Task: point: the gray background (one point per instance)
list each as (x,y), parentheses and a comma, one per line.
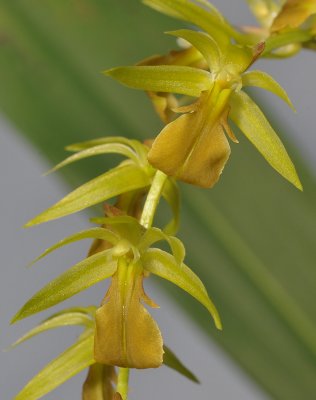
(24,193)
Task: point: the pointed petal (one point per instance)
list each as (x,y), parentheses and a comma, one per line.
(172,361)
(104,140)
(251,121)
(99,383)
(56,321)
(108,148)
(153,235)
(69,363)
(93,233)
(204,43)
(193,148)
(208,19)
(164,78)
(126,334)
(164,265)
(265,81)
(83,275)
(118,180)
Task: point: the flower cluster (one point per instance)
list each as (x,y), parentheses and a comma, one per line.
(196,90)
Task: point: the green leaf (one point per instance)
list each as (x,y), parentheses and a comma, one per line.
(172,361)
(63,318)
(109,148)
(153,235)
(171,194)
(204,43)
(160,263)
(86,273)
(164,78)
(118,180)
(265,81)
(76,358)
(251,121)
(93,233)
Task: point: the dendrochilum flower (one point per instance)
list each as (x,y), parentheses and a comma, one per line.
(194,147)
(101,378)
(126,334)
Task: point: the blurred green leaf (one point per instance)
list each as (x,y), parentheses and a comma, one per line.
(52,90)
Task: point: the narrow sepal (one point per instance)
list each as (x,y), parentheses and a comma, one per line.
(153,235)
(81,276)
(121,179)
(265,81)
(67,317)
(163,78)
(251,121)
(93,233)
(164,265)
(108,148)
(204,43)
(76,358)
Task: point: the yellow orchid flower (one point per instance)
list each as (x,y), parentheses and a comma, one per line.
(194,147)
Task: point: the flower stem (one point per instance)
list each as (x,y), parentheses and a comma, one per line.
(152,200)
(122,382)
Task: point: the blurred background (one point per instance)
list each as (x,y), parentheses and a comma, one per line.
(250,239)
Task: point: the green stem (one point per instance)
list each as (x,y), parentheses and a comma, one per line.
(122,382)
(152,200)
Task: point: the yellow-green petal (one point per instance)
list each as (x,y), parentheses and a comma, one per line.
(208,19)
(108,148)
(153,235)
(164,265)
(63,318)
(93,233)
(121,179)
(251,121)
(81,276)
(164,78)
(265,81)
(76,358)
(204,43)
